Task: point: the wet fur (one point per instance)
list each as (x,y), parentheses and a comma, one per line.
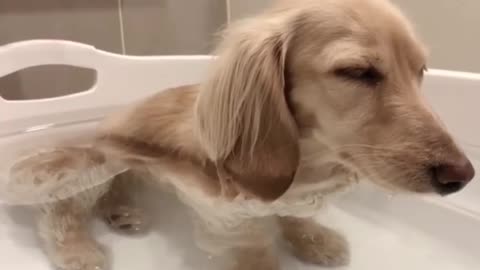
(273,131)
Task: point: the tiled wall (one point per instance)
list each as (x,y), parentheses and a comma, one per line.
(243,8)
(148,27)
(139,27)
(451,30)
(171,26)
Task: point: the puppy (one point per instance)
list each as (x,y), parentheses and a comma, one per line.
(302,101)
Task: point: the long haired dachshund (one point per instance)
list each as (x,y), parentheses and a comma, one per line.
(302,101)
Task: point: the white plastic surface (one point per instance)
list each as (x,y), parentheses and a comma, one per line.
(120,78)
(395,234)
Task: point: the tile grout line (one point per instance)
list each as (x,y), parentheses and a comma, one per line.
(122,28)
(229,11)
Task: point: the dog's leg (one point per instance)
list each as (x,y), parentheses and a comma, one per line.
(247,245)
(64,229)
(314,243)
(254,258)
(120,206)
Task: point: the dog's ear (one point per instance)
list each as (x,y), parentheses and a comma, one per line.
(242,114)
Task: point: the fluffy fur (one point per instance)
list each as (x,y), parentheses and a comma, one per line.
(302,100)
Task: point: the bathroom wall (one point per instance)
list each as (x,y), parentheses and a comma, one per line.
(451,30)
(146,27)
(138,27)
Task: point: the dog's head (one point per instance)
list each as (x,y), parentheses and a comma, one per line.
(347,72)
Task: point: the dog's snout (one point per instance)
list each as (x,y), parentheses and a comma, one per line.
(452,177)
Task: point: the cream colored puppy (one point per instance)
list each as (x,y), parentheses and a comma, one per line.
(302,100)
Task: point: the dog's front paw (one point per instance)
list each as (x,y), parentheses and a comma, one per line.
(83,255)
(127,219)
(316,244)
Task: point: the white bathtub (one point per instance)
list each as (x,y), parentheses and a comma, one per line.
(385,233)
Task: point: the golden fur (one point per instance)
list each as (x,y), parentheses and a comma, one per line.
(302,100)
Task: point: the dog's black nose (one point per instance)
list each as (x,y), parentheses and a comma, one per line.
(452,177)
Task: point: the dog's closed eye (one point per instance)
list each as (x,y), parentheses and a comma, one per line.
(367,75)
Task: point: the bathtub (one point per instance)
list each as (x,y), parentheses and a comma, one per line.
(386,232)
